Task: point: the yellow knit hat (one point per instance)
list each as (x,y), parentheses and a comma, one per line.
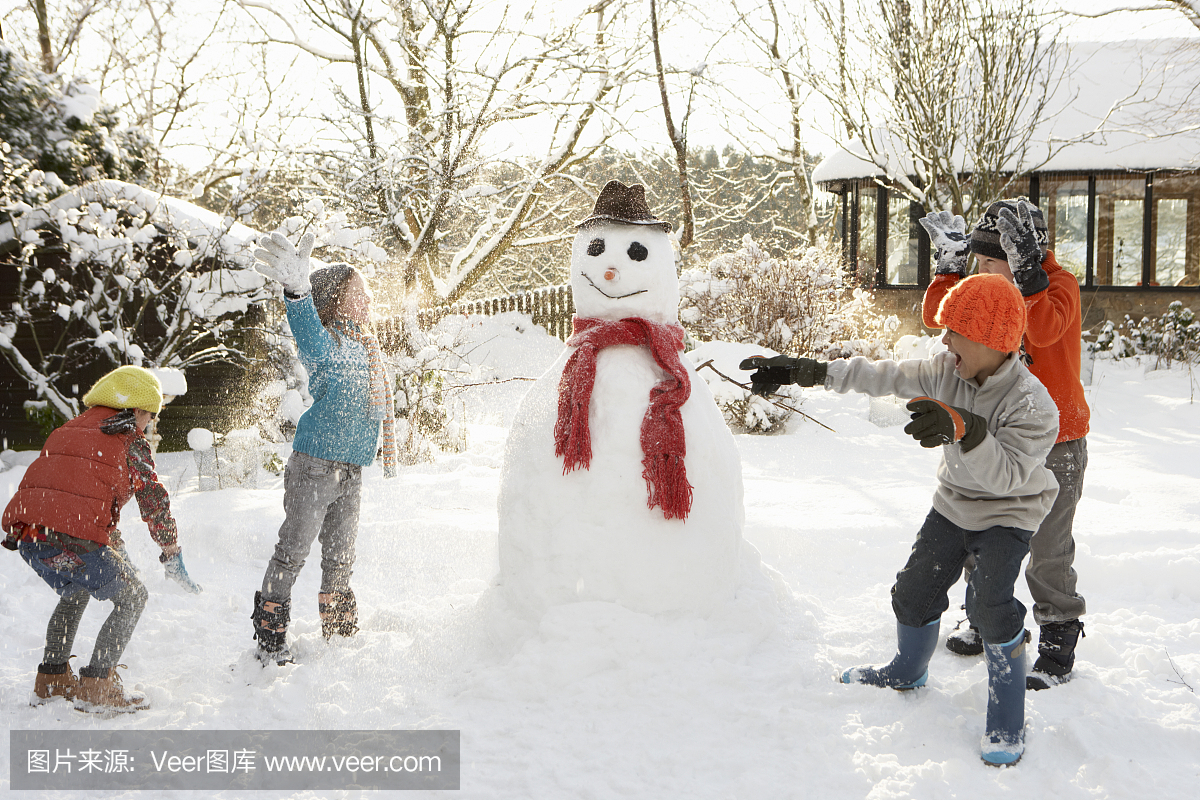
(985,308)
(127,387)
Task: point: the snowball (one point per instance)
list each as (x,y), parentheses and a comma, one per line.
(200,439)
(173,381)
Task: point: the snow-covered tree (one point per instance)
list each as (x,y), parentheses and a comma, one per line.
(65,134)
(112,274)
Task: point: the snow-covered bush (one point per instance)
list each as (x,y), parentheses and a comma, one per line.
(58,136)
(1175,336)
(114,274)
(717,363)
(802,306)
(426,367)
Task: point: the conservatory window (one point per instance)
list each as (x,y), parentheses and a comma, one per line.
(1120,203)
(1175,222)
(865,257)
(1065,206)
(901,242)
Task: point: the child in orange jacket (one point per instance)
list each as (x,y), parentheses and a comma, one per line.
(1011,239)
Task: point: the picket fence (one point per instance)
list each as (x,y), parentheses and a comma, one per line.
(551,307)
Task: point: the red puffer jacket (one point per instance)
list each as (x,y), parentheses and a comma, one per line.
(78,484)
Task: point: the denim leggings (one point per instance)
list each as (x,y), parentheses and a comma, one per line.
(920,593)
(104,574)
(320,500)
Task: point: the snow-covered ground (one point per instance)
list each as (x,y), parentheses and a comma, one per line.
(595,701)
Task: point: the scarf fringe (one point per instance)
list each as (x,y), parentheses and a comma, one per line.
(381,401)
(667,485)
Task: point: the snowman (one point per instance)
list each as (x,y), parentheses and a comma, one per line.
(621,481)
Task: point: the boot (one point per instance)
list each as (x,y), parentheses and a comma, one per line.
(339,613)
(100,690)
(1056,654)
(1004,741)
(909,668)
(54,680)
(270,628)
(966,642)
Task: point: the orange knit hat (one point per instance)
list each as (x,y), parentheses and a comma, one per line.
(987,309)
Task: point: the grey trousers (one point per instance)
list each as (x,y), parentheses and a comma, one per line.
(114,634)
(320,500)
(1050,574)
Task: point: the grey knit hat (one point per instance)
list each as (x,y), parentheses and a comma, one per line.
(326,281)
(985,238)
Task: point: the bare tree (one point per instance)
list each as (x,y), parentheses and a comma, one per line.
(677,135)
(946,100)
(439,91)
(772,39)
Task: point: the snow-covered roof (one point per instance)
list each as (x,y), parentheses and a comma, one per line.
(1124,105)
(192,221)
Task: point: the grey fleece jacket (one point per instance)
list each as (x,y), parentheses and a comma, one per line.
(1004,480)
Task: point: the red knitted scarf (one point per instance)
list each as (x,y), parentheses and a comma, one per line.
(662,435)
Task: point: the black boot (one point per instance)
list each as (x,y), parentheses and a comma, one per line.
(966,642)
(339,613)
(1056,654)
(270,628)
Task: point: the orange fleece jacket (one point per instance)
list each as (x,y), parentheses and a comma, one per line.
(1053,333)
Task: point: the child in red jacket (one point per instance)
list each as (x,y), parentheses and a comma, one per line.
(63,521)
(1011,239)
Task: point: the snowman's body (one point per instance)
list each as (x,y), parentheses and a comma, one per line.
(589,534)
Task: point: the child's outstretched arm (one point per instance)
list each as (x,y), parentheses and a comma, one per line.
(155,505)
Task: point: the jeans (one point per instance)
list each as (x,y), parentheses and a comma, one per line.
(103,574)
(320,500)
(920,593)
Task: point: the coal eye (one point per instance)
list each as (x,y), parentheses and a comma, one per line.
(595,247)
(638,252)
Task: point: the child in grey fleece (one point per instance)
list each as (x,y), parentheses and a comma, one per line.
(995,423)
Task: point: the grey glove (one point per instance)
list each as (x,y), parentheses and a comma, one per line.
(948,234)
(1018,237)
(280,261)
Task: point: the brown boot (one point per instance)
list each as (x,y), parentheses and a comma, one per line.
(54,680)
(339,613)
(105,693)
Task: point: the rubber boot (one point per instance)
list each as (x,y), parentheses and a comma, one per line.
(1004,741)
(270,628)
(54,680)
(339,613)
(1056,654)
(909,668)
(101,691)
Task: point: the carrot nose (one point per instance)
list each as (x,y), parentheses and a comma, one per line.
(610,274)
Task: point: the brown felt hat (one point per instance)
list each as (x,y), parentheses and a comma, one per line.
(624,204)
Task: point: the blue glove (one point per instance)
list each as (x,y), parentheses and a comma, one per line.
(177,572)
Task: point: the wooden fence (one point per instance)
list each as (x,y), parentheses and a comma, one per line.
(551,307)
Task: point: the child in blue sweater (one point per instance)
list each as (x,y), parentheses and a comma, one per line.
(329,314)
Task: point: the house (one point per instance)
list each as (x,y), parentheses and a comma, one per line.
(1121,195)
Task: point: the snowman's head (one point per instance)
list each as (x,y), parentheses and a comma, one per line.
(620,271)
(622,264)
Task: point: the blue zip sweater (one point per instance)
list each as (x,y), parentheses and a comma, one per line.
(338,426)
